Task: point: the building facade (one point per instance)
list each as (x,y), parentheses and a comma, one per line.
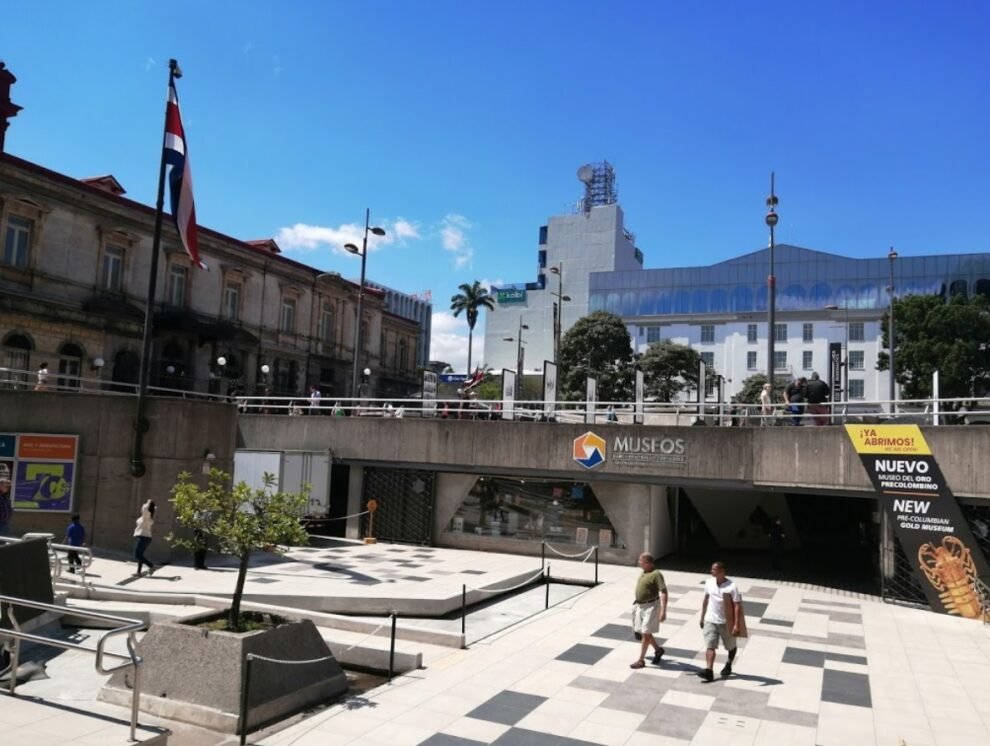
(829,308)
(414,307)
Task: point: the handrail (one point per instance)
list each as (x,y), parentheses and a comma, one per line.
(130,626)
(85,553)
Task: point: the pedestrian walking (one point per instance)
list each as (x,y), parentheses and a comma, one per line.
(142,537)
(314,399)
(776,536)
(649,609)
(766,405)
(75,536)
(42,384)
(721,618)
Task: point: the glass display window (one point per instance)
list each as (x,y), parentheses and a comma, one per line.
(559,512)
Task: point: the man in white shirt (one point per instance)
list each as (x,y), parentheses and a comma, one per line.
(314,400)
(720,618)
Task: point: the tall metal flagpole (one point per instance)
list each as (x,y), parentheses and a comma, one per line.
(141,424)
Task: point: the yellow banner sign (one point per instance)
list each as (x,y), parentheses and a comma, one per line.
(889,439)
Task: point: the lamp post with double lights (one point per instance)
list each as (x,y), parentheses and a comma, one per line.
(771,220)
(519,347)
(363,253)
(892,256)
(558,308)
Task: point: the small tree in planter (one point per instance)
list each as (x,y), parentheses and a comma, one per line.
(241,520)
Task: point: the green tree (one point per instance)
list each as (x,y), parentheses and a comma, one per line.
(470,301)
(752,386)
(934,334)
(240,519)
(668,369)
(597,346)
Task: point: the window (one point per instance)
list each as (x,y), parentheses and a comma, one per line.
(857,388)
(856,360)
(708,358)
(856,333)
(751,333)
(232,301)
(808,333)
(780,359)
(707,333)
(807,359)
(652,334)
(780,332)
(16,349)
(287,322)
(178,276)
(113,268)
(69,365)
(326,323)
(402,355)
(17,242)
(751,360)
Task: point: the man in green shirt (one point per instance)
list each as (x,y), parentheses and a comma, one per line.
(649,609)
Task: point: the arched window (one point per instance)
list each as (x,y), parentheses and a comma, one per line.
(958,287)
(70,357)
(982,287)
(16,357)
(402,354)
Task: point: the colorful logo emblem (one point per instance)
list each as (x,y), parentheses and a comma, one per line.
(589,450)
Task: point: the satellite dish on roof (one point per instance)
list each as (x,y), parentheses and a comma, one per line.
(586,174)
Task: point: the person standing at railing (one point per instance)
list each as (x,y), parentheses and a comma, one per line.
(314,399)
(75,536)
(766,405)
(794,396)
(42,384)
(6,507)
(818,393)
(142,537)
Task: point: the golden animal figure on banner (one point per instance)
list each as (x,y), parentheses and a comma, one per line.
(951,570)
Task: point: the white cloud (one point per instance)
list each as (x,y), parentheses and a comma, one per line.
(449,341)
(304,237)
(454,238)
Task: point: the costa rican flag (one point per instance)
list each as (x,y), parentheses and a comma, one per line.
(180,178)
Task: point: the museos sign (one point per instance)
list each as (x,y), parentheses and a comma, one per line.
(589,450)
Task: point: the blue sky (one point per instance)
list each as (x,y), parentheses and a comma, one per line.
(461,124)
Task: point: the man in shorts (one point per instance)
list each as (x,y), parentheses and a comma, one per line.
(649,609)
(720,618)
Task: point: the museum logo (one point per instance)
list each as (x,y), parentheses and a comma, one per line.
(589,450)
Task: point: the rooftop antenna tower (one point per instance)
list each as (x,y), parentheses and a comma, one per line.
(599,185)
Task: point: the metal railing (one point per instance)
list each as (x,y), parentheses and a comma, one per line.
(55,561)
(128,627)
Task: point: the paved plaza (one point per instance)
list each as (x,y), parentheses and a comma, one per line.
(820,667)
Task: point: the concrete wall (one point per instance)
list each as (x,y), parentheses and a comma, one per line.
(769,459)
(107,498)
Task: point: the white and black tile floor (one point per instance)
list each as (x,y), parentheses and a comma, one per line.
(819,668)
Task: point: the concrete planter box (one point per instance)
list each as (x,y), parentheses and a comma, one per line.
(195,675)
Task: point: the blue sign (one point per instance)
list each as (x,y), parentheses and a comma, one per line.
(7,443)
(453,377)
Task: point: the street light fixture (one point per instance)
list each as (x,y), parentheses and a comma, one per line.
(519,347)
(771,220)
(891,255)
(558,308)
(363,253)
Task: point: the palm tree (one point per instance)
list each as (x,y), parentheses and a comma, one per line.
(471,300)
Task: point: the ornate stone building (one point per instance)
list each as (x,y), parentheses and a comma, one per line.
(74,266)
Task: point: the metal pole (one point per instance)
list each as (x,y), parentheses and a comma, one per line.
(464,610)
(891,255)
(596,565)
(360,306)
(135,698)
(558,308)
(519,357)
(543,554)
(845,369)
(391,650)
(547,584)
(245,688)
(141,424)
(771,220)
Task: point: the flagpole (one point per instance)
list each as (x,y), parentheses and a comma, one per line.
(141,423)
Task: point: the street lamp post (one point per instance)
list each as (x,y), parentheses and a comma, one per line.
(558,308)
(363,253)
(519,348)
(771,220)
(891,255)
